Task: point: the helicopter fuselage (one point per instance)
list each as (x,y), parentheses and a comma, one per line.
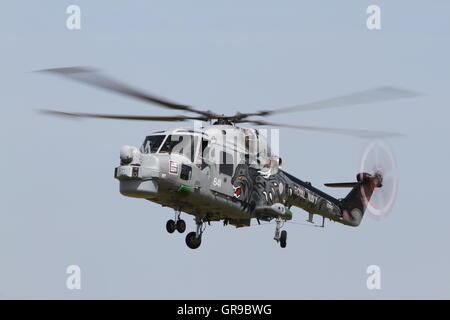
(222,173)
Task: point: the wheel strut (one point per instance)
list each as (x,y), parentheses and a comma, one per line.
(177,215)
(199,230)
(278,226)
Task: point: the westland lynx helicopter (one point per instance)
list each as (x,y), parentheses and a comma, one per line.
(222,172)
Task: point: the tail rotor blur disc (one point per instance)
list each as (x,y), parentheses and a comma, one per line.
(378,157)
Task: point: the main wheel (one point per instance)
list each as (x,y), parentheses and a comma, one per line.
(181,226)
(283,239)
(170,226)
(193,241)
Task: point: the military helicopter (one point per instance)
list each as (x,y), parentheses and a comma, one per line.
(219,171)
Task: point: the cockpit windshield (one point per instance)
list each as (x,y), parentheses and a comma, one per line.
(152,143)
(181,144)
(184,144)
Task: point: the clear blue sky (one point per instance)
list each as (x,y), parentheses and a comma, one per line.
(61,205)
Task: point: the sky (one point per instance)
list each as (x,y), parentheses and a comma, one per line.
(61,205)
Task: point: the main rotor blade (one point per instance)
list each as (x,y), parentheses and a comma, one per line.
(379,94)
(120,117)
(349,132)
(94,78)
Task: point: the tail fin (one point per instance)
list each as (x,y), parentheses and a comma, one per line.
(355,203)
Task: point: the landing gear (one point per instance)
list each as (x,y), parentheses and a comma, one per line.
(181,226)
(283,239)
(170,226)
(280,236)
(177,224)
(194,239)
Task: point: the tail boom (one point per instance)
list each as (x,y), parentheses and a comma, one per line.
(348,211)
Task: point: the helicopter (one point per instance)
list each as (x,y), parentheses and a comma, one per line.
(219,171)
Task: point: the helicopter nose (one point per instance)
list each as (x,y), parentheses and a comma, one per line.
(137,173)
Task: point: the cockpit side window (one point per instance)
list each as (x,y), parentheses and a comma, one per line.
(204,146)
(151,143)
(226,164)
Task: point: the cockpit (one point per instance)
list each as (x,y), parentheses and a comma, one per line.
(216,147)
(185,143)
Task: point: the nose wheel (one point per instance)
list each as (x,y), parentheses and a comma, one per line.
(170,226)
(176,224)
(280,236)
(181,226)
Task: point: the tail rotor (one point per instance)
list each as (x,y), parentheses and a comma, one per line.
(378,160)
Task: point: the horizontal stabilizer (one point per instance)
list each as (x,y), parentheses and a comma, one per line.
(341,184)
